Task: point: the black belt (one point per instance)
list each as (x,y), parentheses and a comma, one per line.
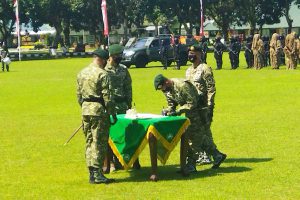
(96,99)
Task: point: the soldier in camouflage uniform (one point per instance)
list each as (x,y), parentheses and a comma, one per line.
(121,86)
(258,51)
(275,51)
(201,76)
(290,51)
(182,97)
(93,95)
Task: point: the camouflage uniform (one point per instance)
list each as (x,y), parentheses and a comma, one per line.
(121,86)
(275,51)
(185,95)
(93,95)
(202,77)
(290,51)
(258,51)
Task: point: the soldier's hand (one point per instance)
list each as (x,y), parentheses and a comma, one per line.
(172,113)
(115,119)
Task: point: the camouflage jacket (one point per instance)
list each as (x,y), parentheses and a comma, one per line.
(121,84)
(183,94)
(92,85)
(202,77)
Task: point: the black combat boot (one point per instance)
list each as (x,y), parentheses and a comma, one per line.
(100,178)
(218,159)
(92,179)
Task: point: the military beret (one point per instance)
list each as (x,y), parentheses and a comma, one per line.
(195,48)
(159,81)
(115,49)
(101,53)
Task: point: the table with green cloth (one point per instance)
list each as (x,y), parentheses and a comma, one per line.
(129,136)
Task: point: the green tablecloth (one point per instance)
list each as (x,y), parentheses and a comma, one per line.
(128,137)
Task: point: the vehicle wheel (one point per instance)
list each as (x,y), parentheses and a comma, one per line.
(169,63)
(140,62)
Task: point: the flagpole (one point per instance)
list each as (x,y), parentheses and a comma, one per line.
(18,27)
(201,19)
(105,21)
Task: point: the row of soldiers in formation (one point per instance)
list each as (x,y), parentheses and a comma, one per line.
(104,89)
(259,51)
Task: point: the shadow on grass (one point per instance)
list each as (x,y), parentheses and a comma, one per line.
(166,173)
(247,160)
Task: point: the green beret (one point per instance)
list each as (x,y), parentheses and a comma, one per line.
(101,53)
(159,81)
(115,49)
(195,48)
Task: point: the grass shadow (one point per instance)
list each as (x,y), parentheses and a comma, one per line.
(168,173)
(247,160)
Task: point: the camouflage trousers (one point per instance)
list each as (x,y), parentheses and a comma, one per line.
(96,131)
(199,135)
(274,58)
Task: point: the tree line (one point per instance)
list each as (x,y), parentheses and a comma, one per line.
(66,15)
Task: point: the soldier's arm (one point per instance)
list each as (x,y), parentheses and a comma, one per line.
(128,89)
(171,103)
(106,93)
(78,91)
(210,85)
(191,98)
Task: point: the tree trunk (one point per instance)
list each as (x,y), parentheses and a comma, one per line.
(225,31)
(67,32)
(57,38)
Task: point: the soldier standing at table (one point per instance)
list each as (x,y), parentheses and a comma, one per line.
(290,51)
(93,95)
(204,45)
(219,47)
(183,95)
(121,86)
(258,51)
(275,51)
(201,76)
(248,52)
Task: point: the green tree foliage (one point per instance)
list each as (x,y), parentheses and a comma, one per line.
(8,18)
(223,13)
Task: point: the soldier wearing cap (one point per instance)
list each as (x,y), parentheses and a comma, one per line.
(182,97)
(219,48)
(121,86)
(248,52)
(201,75)
(93,96)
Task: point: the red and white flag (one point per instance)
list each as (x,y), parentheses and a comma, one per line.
(104,14)
(201,19)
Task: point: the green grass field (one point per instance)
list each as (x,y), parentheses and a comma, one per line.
(256,123)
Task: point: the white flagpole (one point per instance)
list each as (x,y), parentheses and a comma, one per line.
(18,28)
